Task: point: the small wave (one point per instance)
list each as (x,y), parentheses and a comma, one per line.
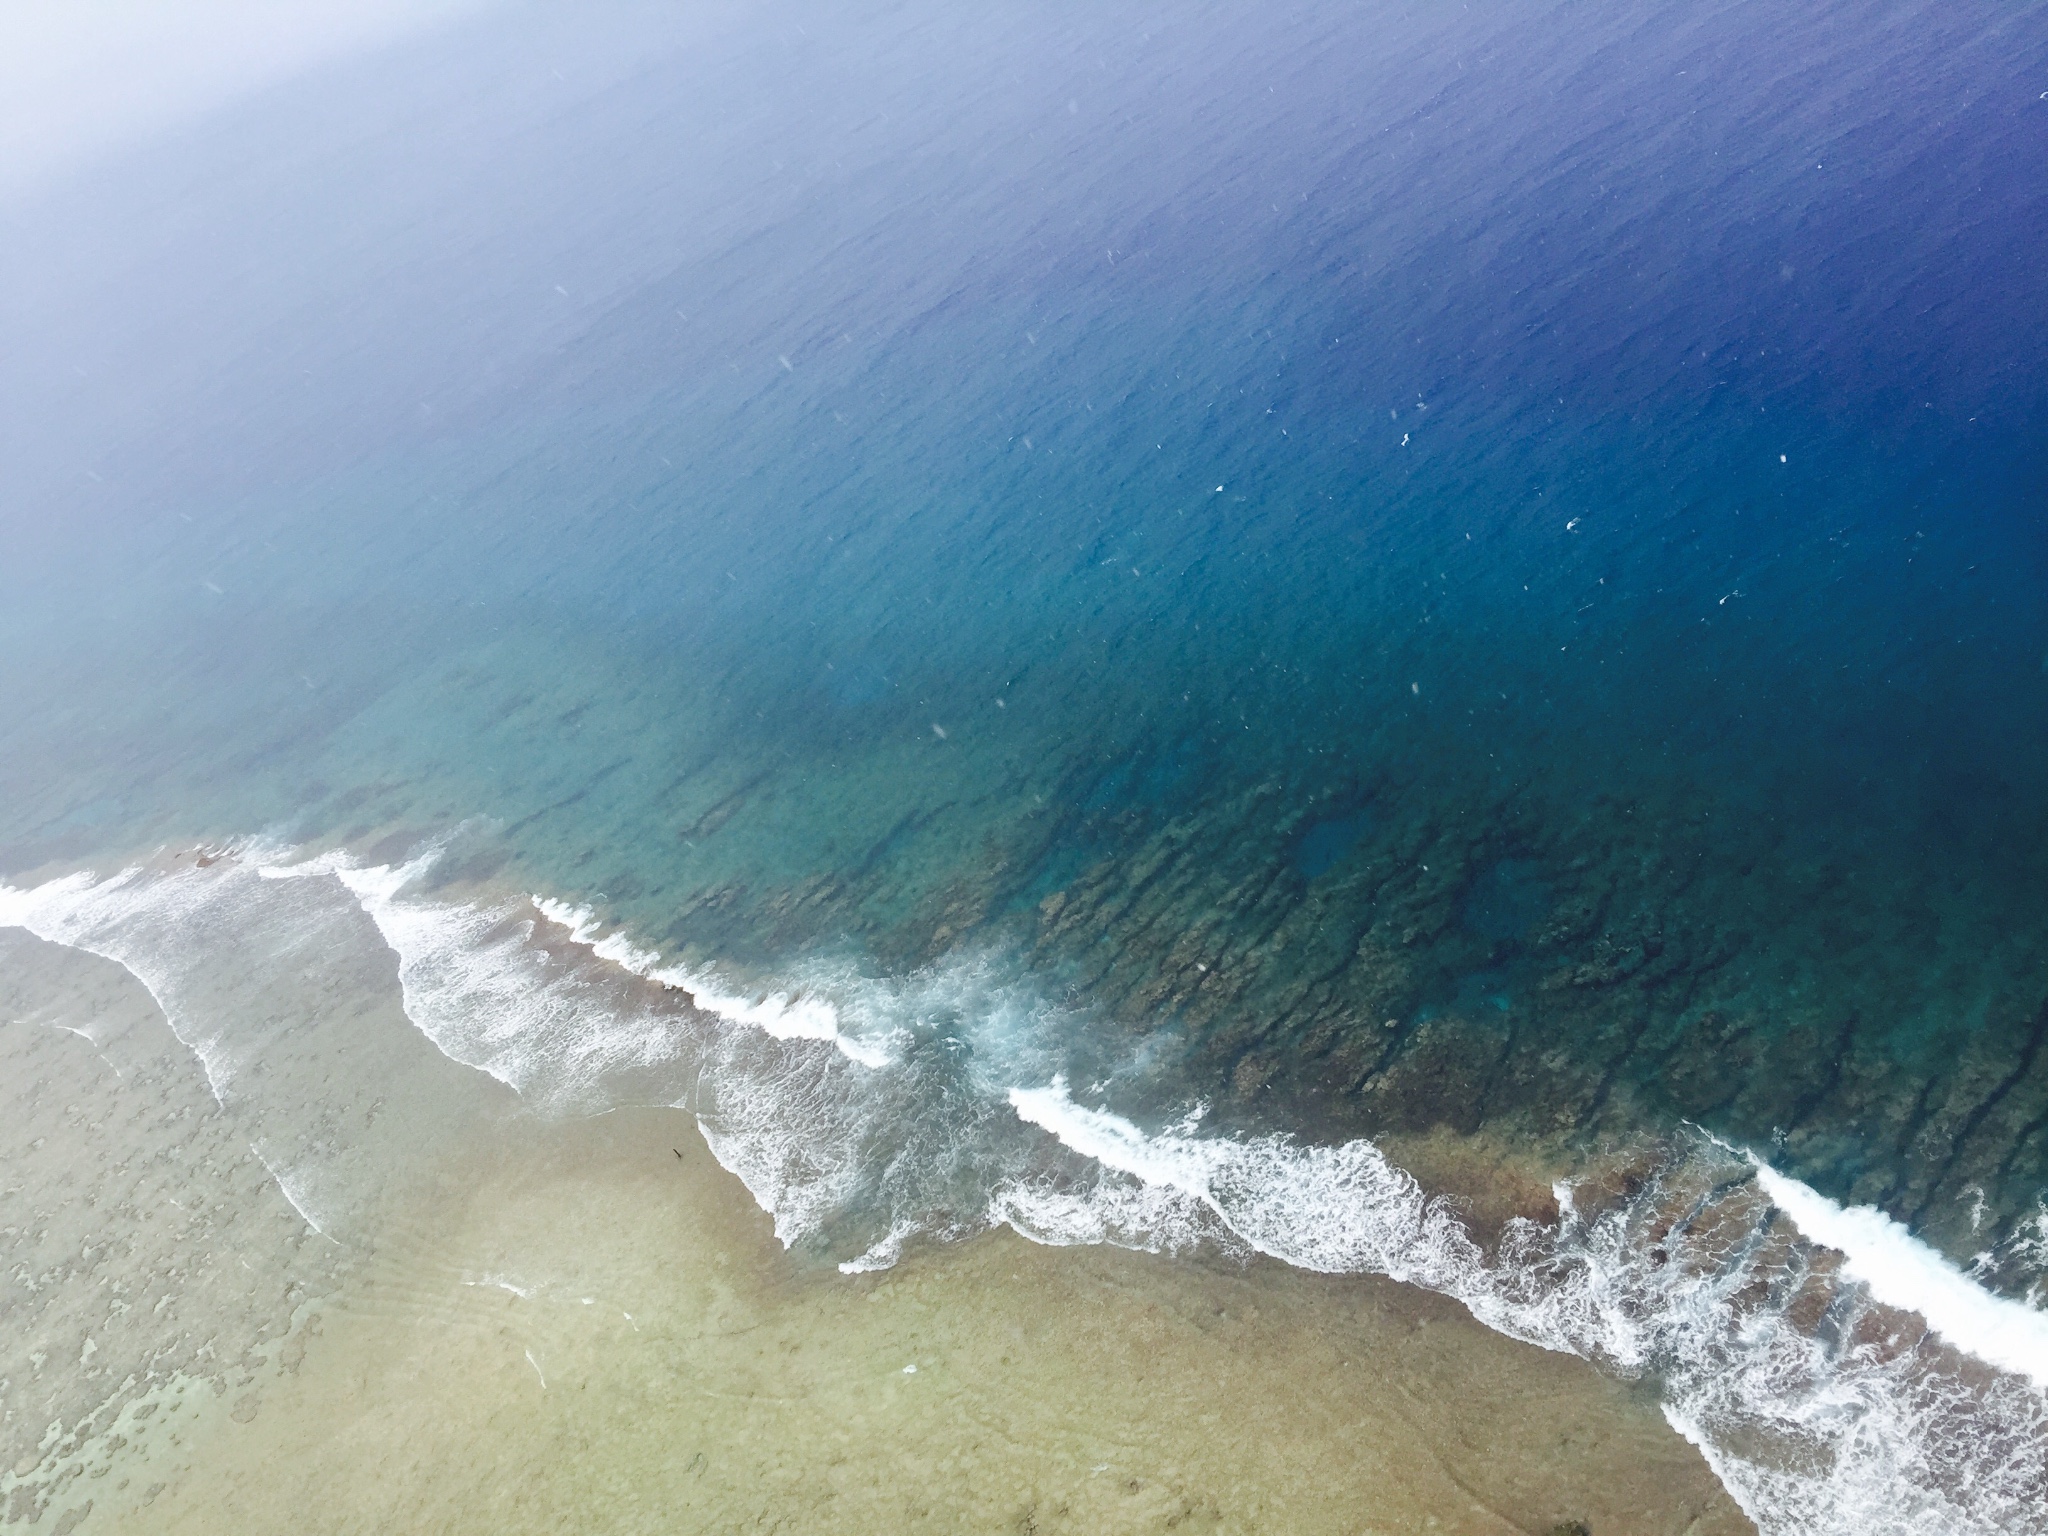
(867,1113)
(1821,1414)
(1901,1271)
(783,1015)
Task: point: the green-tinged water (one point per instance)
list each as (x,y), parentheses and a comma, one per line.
(1344,575)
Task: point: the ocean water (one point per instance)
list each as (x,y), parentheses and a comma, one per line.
(1096,623)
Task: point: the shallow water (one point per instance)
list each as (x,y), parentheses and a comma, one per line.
(586,1323)
(374,1043)
(601,1338)
(1057,594)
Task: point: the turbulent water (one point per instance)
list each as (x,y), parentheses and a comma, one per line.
(1077,621)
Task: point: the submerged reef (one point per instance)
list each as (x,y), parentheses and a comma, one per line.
(1373,957)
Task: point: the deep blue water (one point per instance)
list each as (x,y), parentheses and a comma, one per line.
(1473,566)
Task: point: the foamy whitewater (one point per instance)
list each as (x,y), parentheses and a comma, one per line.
(865,1112)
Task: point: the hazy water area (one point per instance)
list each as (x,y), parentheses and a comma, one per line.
(1372,673)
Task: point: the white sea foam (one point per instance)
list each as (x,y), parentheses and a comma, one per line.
(265,987)
(789,1085)
(1901,1271)
(784,1015)
(1814,1432)
(869,1112)
(479,987)
(146,924)
(1337,1210)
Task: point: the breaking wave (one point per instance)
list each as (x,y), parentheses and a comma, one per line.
(1838,1376)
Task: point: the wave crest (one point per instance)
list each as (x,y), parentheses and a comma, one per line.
(864,1113)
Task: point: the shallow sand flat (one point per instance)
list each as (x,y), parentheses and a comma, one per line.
(698,1379)
(141,1237)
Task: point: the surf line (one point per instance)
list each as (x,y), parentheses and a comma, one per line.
(1903,1272)
(1897,1269)
(59,912)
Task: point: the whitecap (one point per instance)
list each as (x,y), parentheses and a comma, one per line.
(865,1114)
(1903,1272)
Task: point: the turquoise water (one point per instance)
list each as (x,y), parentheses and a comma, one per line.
(1409,568)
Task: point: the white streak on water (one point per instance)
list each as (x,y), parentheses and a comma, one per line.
(500,1283)
(73,1029)
(284,1188)
(1903,1272)
(1813,1435)
(81,913)
(825,1100)
(1336,1210)
(76,911)
(782,1015)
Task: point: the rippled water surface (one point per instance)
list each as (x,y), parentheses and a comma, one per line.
(1084,621)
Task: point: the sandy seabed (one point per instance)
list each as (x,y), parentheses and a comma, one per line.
(669,1369)
(588,1326)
